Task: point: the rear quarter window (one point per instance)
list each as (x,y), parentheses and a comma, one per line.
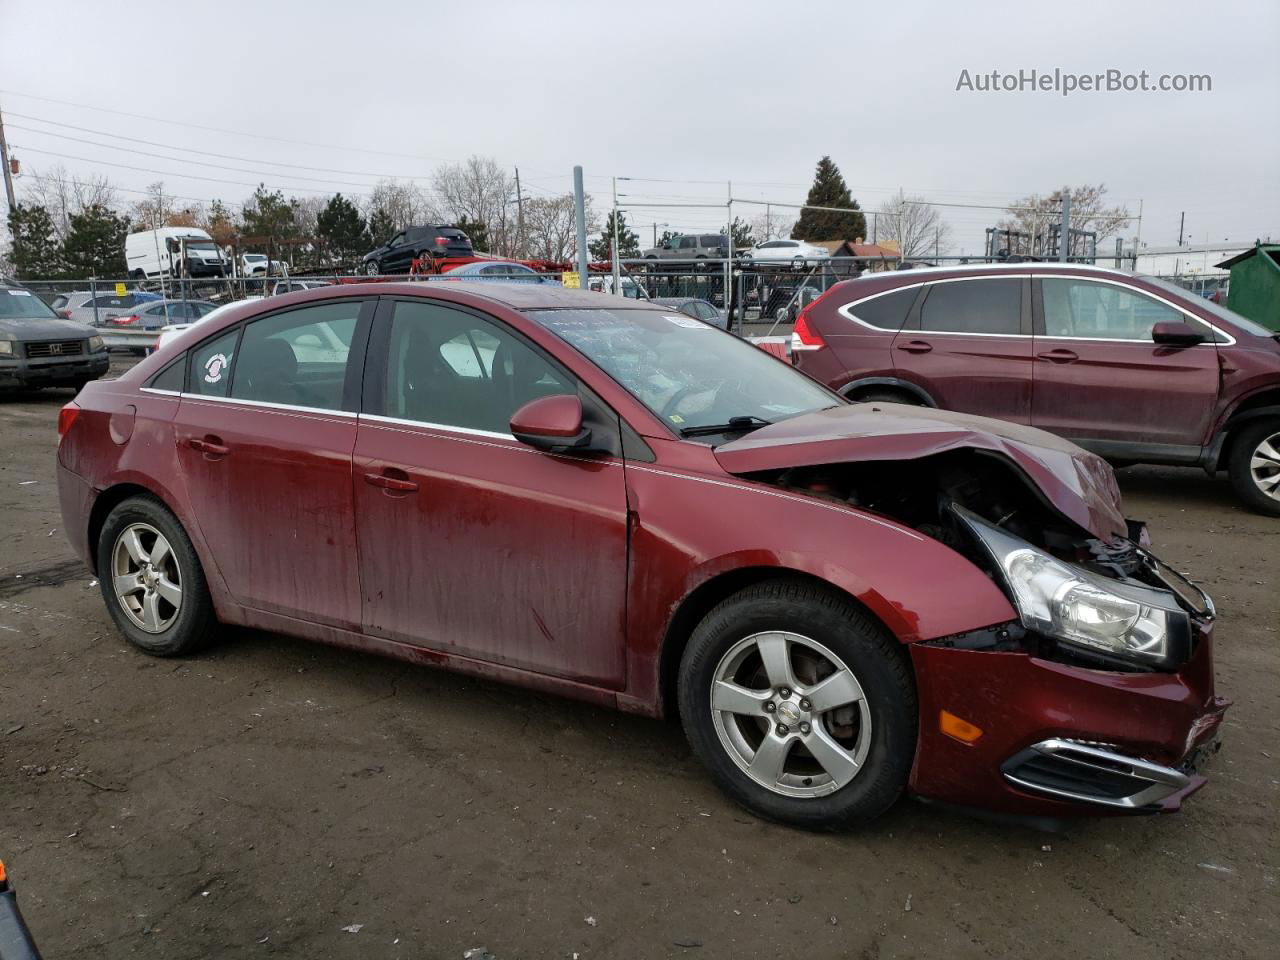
(885,312)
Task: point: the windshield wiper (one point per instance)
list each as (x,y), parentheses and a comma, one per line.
(732,425)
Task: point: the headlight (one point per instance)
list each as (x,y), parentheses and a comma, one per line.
(6,348)
(95,344)
(1112,618)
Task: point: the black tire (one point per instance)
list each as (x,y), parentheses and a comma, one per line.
(195,622)
(1243,447)
(887,396)
(373,269)
(870,652)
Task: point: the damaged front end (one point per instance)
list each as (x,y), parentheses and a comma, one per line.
(1098,697)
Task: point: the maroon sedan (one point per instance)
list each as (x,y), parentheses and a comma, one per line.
(600,498)
(1131,367)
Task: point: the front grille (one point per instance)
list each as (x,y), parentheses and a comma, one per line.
(56,348)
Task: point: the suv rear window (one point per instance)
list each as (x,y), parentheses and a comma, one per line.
(887,311)
(991,305)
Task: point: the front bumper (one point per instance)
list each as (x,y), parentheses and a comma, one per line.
(1060,740)
(22,372)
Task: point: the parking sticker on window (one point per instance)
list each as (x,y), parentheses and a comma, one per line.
(214,366)
(683,321)
(19,293)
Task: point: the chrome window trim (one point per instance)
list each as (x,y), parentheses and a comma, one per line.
(846,311)
(448,428)
(266,405)
(159,392)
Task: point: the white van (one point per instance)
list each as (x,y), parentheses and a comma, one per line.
(159,253)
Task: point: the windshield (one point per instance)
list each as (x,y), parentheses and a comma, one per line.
(23,304)
(203,245)
(255,257)
(687,372)
(1217,309)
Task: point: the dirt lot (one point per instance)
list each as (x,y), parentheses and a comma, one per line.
(277,797)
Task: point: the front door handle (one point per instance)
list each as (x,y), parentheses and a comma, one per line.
(388,480)
(209,445)
(915,346)
(1059,356)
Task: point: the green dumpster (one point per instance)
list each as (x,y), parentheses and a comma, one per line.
(1255,284)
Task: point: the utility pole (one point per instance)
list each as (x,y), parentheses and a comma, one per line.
(519,217)
(1064,235)
(1182,222)
(8,172)
(580,203)
(617,270)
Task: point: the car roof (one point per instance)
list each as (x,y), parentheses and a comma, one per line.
(676,301)
(532,296)
(1021,266)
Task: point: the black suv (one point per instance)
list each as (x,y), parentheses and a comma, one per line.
(398,253)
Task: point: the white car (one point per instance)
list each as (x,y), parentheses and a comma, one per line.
(785,251)
(257,265)
(171,330)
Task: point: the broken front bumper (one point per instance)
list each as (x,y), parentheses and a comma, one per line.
(1059,739)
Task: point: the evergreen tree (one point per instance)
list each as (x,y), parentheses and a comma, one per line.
(36,253)
(628,242)
(270,216)
(342,228)
(382,226)
(742,238)
(666,235)
(95,243)
(477,233)
(829,190)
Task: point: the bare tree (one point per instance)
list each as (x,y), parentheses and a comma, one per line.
(65,195)
(402,203)
(771,226)
(1034,214)
(480,191)
(551,227)
(913,226)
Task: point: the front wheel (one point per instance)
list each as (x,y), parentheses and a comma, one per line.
(152,580)
(800,704)
(1254,466)
(371,269)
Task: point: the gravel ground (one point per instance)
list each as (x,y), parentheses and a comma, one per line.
(277,797)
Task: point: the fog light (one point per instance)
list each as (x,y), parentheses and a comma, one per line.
(958,729)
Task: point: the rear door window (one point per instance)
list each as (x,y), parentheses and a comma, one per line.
(297,358)
(986,306)
(887,311)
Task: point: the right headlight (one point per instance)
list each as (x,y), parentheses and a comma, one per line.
(6,348)
(1114,619)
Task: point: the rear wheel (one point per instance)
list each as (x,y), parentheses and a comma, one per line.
(800,705)
(152,580)
(886,396)
(1254,466)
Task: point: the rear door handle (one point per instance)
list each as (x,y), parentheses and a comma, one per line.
(389,481)
(915,346)
(210,446)
(1059,356)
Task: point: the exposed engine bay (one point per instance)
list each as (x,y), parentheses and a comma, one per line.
(925,493)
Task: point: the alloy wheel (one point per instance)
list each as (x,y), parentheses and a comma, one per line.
(791,714)
(146,577)
(1264,466)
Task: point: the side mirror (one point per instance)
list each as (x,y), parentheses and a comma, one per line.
(552,424)
(1177,334)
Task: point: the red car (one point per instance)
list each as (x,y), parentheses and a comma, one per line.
(599,498)
(1131,367)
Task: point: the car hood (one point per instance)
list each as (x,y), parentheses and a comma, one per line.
(41,328)
(1079,484)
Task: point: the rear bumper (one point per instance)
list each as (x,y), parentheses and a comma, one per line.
(1059,740)
(75,497)
(53,372)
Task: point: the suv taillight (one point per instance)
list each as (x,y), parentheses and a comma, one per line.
(442,241)
(803,336)
(66,417)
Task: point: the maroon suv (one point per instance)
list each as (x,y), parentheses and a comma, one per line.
(1131,367)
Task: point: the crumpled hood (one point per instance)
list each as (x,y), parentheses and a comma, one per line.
(1081,485)
(41,328)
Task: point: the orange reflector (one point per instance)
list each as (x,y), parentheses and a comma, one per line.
(3,878)
(958,729)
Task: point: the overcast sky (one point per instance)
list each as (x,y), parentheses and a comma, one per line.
(697,94)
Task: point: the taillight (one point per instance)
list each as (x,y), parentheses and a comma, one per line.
(66,417)
(803,336)
(442,241)
(65,314)
(125,321)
